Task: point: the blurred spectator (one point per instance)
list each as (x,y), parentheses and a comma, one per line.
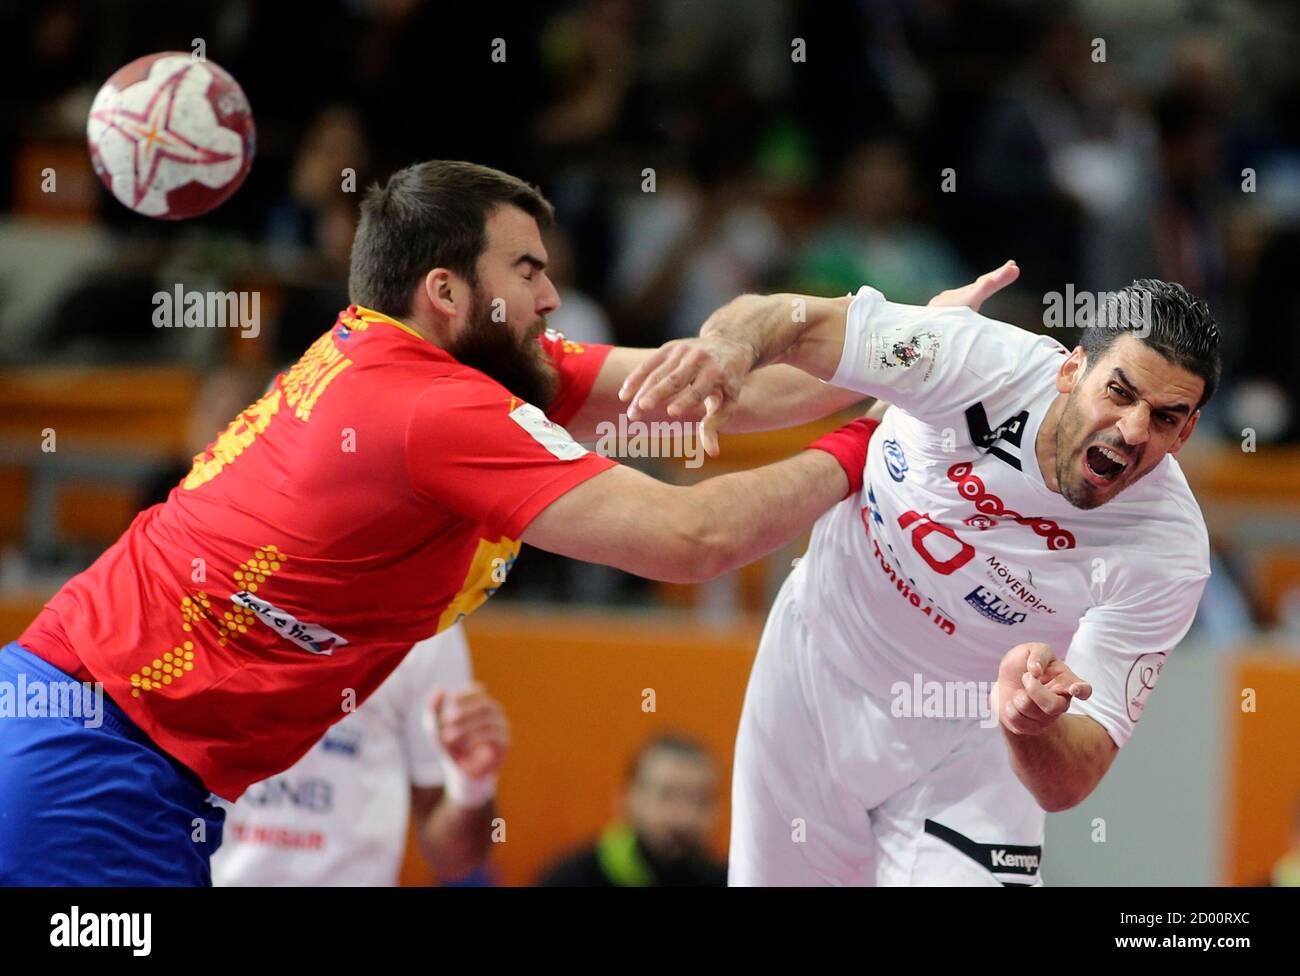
(339,815)
(1224,617)
(661,838)
(687,248)
(871,236)
(222,396)
(579,317)
(1273,314)
(310,228)
(312,221)
(1023,199)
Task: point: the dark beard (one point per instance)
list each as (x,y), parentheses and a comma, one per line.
(1077,495)
(683,869)
(520,365)
(1076,492)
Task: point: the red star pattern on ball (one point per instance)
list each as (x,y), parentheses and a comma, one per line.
(153,136)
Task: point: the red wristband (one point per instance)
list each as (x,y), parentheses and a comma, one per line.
(848,445)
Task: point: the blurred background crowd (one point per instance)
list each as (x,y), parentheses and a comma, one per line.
(694,149)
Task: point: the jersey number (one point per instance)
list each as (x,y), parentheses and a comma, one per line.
(924,527)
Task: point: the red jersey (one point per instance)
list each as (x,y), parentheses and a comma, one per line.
(370,499)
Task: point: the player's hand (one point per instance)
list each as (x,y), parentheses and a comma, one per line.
(472,729)
(686,376)
(1034,689)
(978,291)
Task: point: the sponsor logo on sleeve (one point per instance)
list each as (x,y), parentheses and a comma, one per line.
(549,434)
(903,348)
(569,346)
(1142,677)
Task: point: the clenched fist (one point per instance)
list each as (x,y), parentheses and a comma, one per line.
(472,729)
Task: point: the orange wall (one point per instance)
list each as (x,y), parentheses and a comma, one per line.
(572,687)
(1263,774)
(572,684)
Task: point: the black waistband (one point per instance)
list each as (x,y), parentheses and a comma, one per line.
(995,858)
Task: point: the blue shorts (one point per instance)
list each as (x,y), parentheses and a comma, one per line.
(86,798)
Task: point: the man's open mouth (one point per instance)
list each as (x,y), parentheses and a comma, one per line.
(1104,463)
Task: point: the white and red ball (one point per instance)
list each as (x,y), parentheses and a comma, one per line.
(171,136)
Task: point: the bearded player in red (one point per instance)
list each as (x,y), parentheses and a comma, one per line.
(374,496)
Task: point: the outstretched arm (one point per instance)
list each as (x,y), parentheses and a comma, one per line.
(771,398)
(711,376)
(628,520)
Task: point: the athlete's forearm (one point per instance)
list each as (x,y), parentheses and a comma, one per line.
(783,396)
(772,398)
(742,516)
(1063,765)
(626,519)
(454,839)
(802,330)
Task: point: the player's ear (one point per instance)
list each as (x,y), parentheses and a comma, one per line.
(442,293)
(1186,432)
(1072,370)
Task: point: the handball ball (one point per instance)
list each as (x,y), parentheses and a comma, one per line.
(171,136)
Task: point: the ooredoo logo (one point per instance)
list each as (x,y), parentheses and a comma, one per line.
(971,487)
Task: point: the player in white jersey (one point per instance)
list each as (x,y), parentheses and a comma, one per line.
(1020,508)
(339,815)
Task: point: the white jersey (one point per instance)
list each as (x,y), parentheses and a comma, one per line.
(955,550)
(339,815)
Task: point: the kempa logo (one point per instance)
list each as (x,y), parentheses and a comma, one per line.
(181,309)
(655,439)
(102,929)
(1024,862)
(1102,309)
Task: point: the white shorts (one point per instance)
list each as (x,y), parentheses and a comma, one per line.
(829,788)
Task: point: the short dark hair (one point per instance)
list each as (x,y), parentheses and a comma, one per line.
(671,744)
(430,215)
(1165,316)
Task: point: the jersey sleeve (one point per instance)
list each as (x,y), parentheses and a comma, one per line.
(445,665)
(475,449)
(931,361)
(1121,649)
(578,364)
